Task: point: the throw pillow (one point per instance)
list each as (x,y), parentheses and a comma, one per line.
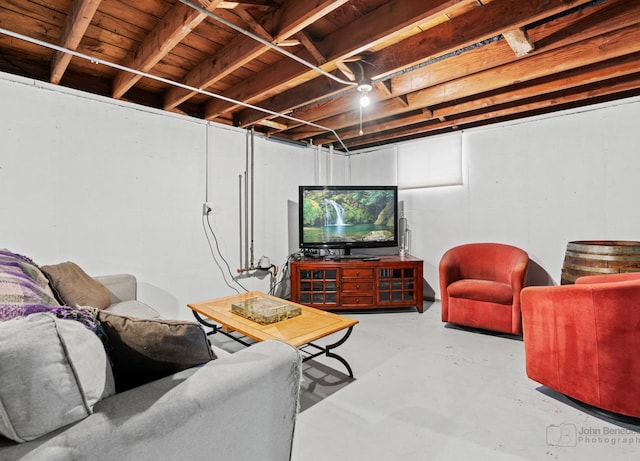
(143,350)
(75,287)
(53,372)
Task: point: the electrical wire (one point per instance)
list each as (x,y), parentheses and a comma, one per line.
(284,271)
(267,43)
(206,161)
(95,60)
(205,219)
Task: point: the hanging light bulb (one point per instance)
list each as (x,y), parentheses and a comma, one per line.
(364,87)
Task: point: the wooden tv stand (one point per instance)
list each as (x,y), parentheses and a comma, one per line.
(387,282)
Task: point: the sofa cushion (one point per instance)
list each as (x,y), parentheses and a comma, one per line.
(481,290)
(52,372)
(143,350)
(133,308)
(75,287)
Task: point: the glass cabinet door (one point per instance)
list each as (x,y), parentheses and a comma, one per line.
(396,285)
(318,286)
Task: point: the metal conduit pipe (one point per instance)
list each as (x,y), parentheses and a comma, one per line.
(240,217)
(249,210)
(95,60)
(273,46)
(252,196)
(246,201)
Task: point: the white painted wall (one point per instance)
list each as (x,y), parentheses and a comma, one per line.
(536,184)
(119,188)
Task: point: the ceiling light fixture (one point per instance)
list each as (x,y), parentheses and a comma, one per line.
(364,87)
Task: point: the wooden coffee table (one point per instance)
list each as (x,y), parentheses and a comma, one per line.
(301,331)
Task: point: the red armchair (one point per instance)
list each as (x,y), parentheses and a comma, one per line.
(583,340)
(480,286)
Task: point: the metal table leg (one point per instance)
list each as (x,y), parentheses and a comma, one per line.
(326,350)
(215,328)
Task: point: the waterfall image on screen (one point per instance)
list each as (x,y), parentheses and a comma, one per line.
(348,216)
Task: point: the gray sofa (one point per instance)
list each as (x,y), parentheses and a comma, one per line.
(123,293)
(240,406)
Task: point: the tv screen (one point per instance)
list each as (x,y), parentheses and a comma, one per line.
(346,217)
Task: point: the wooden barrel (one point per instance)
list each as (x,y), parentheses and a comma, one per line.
(597,257)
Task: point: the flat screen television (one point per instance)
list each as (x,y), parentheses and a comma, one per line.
(346,217)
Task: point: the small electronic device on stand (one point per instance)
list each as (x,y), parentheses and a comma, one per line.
(405,235)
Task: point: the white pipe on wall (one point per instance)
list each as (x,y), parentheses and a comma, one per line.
(330,166)
(252,170)
(318,164)
(240,218)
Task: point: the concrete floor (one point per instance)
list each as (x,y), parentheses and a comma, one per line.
(426,391)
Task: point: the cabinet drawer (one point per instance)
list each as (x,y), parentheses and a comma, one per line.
(352,300)
(364,272)
(357,286)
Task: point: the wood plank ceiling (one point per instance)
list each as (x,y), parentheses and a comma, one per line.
(435,66)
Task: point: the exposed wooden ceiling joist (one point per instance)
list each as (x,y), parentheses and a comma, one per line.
(170,31)
(78,20)
(464,74)
(449,37)
(391,18)
(437,65)
(291,18)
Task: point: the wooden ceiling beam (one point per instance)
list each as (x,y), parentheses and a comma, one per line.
(273,124)
(391,18)
(597,49)
(566,82)
(254,26)
(453,70)
(460,66)
(78,20)
(314,90)
(254,3)
(310,46)
(606,90)
(559,99)
(467,29)
(385,87)
(519,41)
(377,25)
(576,28)
(176,24)
(289,19)
(594,74)
(600,19)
